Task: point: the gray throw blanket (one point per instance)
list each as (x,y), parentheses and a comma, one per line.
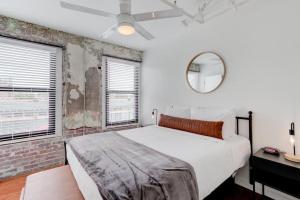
(124,169)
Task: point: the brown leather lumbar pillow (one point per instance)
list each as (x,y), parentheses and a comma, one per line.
(207,128)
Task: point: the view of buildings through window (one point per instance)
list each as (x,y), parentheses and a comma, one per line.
(27,89)
(122,108)
(22,112)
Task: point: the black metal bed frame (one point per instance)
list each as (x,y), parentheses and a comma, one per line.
(250,120)
(228,183)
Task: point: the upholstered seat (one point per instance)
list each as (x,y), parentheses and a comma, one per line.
(54,184)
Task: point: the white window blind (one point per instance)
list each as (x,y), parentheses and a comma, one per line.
(122,80)
(28,75)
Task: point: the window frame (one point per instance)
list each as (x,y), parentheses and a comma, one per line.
(103,90)
(57,132)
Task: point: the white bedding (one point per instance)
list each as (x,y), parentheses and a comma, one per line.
(213,160)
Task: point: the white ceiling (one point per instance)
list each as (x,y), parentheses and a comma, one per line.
(49,13)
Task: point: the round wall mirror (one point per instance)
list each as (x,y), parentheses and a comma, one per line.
(206,72)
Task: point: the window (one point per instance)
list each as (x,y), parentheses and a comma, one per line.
(121,95)
(29,83)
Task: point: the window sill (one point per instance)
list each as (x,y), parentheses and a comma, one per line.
(30,139)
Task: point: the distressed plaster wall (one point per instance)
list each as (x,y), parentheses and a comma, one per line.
(82,59)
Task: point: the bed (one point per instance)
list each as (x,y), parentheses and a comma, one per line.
(204,154)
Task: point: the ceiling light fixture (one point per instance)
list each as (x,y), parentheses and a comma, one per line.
(126,29)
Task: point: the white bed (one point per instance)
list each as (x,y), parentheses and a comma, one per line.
(213,160)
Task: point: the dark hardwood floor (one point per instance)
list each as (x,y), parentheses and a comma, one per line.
(11,189)
(236,192)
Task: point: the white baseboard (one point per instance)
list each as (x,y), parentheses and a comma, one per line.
(272,193)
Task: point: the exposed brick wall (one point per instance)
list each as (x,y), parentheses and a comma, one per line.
(36,155)
(81,131)
(29,156)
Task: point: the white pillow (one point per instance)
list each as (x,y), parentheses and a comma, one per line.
(216,114)
(178,111)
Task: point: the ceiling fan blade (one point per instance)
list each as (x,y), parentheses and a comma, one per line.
(143,32)
(84,9)
(108,32)
(125,6)
(157,15)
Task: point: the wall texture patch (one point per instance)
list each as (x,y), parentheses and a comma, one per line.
(82,59)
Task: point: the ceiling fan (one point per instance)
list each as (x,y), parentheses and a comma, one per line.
(126,23)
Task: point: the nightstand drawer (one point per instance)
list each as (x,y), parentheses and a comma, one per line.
(283,184)
(276,168)
(276,172)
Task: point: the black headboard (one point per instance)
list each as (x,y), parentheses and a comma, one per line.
(249,119)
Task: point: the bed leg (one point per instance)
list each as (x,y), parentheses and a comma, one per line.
(66,159)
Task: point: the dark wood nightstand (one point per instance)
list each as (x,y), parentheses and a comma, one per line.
(276,172)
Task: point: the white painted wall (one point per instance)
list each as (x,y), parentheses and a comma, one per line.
(261,47)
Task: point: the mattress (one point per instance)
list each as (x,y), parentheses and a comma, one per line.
(213,160)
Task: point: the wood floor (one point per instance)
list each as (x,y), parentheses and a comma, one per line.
(11,189)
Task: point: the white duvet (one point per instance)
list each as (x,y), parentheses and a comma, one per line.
(213,160)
